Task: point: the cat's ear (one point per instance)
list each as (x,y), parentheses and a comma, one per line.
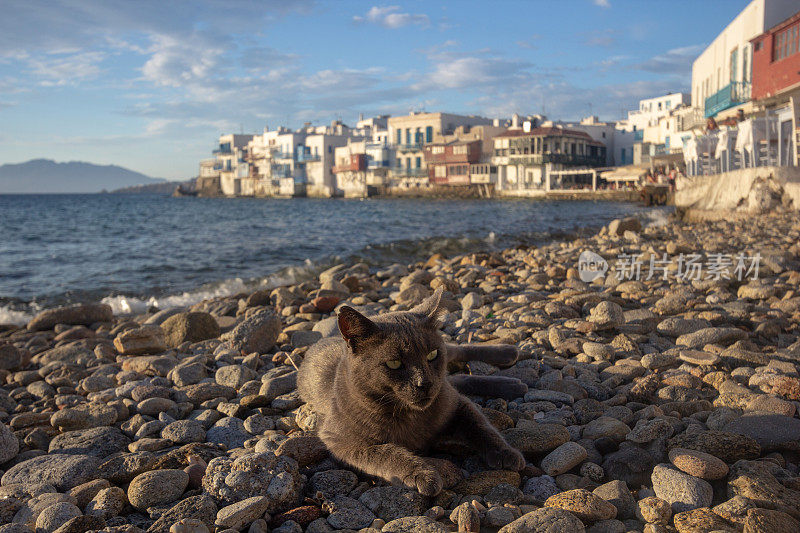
(432,308)
(354,325)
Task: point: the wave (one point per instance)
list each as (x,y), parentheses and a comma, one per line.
(376,255)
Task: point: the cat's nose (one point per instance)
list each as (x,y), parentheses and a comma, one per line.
(422,383)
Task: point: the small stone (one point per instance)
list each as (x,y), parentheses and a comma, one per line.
(682,491)
(157,487)
(564,458)
(698,464)
(184,432)
(9,445)
(347,513)
(141,341)
(55,516)
(107,503)
(702,519)
(616,493)
(586,506)
(654,510)
(189,327)
(239,514)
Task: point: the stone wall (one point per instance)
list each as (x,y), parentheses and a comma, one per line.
(746,190)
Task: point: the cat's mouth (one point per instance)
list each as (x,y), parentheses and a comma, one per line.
(421,402)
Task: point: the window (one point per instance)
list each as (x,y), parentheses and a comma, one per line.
(746,64)
(398,134)
(734,64)
(460,150)
(419,162)
(440,171)
(437,149)
(428,134)
(786,43)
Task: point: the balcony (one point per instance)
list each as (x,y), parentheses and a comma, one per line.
(282,155)
(403,172)
(733,94)
(306,158)
(638,136)
(413,147)
(564,159)
(377,164)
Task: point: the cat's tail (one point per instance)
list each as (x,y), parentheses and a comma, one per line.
(495,354)
(489,386)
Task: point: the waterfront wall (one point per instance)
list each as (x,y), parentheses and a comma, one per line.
(744,190)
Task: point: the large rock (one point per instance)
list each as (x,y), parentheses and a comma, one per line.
(157,487)
(755,481)
(729,447)
(772,432)
(619,226)
(682,491)
(141,341)
(9,445)
(10,356)
(97,442)
(57,469)
(545,520)
(84,315)
(630,464)
(534,438)
(391,503)
(189,327)
(230,480)
(701,337)
(255,334)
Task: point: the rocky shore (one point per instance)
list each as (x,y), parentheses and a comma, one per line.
(653,405)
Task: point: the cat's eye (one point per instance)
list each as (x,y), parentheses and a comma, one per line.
(433,355)
(394,364)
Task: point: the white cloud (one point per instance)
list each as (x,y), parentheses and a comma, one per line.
(602,3)
(391,17)
(175,62)
(65,67)
(677,61)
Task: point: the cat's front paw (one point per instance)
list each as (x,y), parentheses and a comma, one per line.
(505,459)
(428,482)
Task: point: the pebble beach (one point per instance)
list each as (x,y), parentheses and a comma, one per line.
(656,402)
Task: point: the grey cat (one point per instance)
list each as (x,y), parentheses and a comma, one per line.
(383,395)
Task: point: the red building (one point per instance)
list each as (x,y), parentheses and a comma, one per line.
(449,163)
(776,60)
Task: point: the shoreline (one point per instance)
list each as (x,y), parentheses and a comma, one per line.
(127,304)
(643,396)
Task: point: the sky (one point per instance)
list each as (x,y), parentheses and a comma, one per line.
(150,85)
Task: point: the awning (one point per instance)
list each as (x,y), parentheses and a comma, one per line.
(626,173)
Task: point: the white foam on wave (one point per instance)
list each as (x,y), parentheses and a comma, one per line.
(656,217)
(131,305)
(14,316)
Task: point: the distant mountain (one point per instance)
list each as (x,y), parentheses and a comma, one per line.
(47,176)
(165,187)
